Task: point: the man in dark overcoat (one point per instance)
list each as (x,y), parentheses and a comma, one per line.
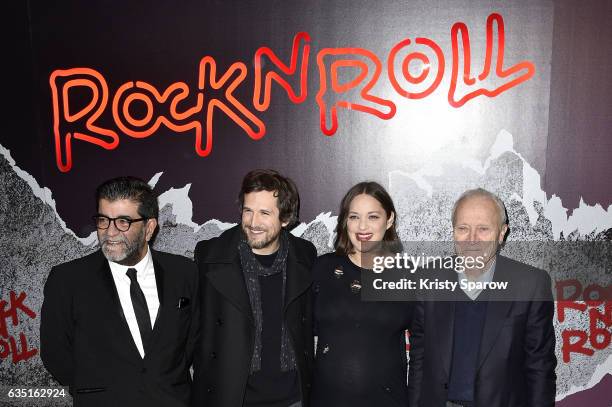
(256,347)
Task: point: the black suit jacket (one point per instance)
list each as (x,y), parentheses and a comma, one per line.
(516,361)
(223,355)
(86,343)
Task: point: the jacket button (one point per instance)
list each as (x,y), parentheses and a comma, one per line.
(388,389)
(209,390)
(219,322)
(143,370)
(213,355)
(445,386)
(303,320)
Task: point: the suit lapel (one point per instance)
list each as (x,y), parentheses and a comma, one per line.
(443,322)
(298,278)
(229,281)
(497,310)
(110,289)
(124,339)
(496,313)
(224,272)
(160,282)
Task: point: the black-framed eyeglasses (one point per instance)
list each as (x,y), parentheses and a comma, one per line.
(122,223)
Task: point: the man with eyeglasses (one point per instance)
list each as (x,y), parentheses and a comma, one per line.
(118,326)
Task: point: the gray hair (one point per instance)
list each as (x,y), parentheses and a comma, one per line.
(482,193)
(131,188)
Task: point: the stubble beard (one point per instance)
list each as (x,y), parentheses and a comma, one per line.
(263,242)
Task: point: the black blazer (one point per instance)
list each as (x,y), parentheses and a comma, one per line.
(223,355)
(86,343)
(516,362)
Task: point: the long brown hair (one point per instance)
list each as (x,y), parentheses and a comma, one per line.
(343,244)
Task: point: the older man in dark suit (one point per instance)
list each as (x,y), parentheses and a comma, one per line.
(118,326)
(481,347)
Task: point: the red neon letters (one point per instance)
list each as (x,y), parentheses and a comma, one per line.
(181,112)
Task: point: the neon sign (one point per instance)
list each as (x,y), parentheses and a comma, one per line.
(169,107)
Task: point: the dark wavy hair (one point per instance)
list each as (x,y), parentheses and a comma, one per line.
(343,244)
(284,190)
(132,188)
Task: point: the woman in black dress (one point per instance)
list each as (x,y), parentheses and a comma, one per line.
(361,348)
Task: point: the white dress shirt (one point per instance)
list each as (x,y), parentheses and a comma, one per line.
(145,275)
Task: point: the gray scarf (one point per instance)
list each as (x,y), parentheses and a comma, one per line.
(252,270)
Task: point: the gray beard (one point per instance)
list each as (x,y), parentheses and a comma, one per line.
(132,251)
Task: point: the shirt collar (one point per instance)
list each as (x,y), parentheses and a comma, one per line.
(142,267)
(487,276)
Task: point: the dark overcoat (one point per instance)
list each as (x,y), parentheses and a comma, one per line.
(223,353)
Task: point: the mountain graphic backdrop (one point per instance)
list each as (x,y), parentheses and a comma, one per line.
(34,238)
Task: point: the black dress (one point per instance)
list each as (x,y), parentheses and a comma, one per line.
(361,349)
